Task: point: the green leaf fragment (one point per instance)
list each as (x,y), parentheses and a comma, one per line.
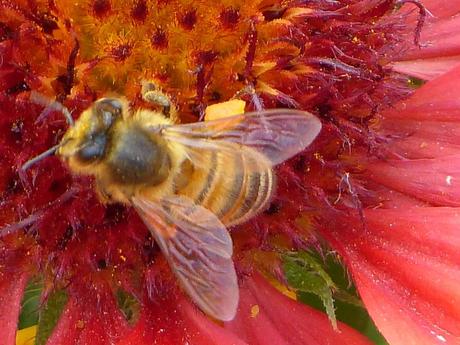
(304,273)
(323,283)
(349,298)
(129,306)
(49,315)
(30,304)
(415,83)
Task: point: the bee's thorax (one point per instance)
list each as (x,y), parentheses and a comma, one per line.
(135,157)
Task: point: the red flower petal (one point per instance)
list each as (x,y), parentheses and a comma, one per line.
(11,290)
(405,265)
(442,9)
(441,39)
(172,320)
(436,101)
(278,320)
(423,139)
(427,69)
(440,49)
(433,180)
(429,135)
(90,317)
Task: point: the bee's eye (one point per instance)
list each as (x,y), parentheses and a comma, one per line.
(93,149)
(107,110)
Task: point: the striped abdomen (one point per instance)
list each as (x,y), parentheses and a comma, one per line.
(235,187)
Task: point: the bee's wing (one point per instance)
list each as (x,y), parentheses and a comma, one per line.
(199,250)
(276,133)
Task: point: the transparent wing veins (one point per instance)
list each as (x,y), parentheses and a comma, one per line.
(276,133)
(199,252)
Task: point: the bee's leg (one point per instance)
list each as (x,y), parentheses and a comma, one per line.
(102,192)
(152,93)
(250,91)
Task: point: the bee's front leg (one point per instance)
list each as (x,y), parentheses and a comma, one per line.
(104,195)
(152,93)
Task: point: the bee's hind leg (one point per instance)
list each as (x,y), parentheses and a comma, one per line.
(152,93)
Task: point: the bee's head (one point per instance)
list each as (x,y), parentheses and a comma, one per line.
(103,114)
(87,141)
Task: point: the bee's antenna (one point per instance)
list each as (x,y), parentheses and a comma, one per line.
(38,98)
(49,105)
(41,156)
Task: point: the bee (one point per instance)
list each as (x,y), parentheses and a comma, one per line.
(187,182)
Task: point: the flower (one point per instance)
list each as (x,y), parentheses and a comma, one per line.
(378,186)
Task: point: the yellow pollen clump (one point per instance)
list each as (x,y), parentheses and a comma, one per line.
(80,324)
(255,310)
(224,109)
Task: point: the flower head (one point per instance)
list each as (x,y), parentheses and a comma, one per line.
(378,186)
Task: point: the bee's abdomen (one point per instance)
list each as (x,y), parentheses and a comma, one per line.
(251,190)
(233,187)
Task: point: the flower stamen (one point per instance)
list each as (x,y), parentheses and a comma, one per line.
(423,13)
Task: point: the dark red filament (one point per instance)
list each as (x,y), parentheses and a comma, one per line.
(139,11)
(159,39)
(188,20)
(229,18)
(101,8)
(122,52)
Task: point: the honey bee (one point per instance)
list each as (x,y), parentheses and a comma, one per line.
(187,182)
